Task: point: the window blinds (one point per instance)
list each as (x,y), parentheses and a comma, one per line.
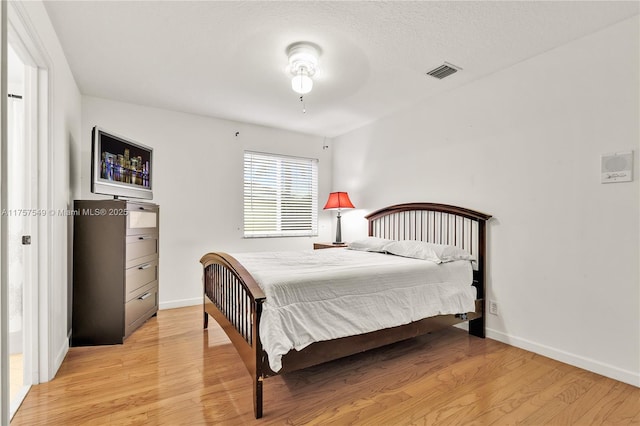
(280,195)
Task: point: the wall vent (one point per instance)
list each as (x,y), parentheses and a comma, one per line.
(443,71)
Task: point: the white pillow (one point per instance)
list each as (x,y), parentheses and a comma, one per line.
(438,253)
(374,244)
(413,249)
(448,253)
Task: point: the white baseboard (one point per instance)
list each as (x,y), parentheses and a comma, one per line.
(62,353)
(568,358)
(171,304)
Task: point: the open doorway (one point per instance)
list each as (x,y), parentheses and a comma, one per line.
(19,212)
(25,196)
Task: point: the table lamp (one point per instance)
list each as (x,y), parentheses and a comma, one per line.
(338,201)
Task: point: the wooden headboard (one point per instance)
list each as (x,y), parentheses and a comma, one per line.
(436,223)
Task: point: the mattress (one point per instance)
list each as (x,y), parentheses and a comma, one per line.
(319,295)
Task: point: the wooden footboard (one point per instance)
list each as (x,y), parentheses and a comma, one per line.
(234,300)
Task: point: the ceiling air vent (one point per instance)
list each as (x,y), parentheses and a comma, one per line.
(443,71)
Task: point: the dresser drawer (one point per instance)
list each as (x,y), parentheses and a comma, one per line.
(142,218)
(141,249)
(140,308)
(138,276)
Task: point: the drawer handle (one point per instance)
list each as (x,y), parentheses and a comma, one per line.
(144,237)
(147,266)
(144,296)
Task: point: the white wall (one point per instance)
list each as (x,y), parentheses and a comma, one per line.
(56,179)
(524,145)
(199,184)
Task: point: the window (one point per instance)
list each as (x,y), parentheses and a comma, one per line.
(280,195)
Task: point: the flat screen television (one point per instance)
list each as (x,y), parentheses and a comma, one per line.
(120,167)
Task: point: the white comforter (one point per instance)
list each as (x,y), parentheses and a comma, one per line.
(320,295)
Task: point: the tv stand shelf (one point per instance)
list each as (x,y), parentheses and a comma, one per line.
(115,269)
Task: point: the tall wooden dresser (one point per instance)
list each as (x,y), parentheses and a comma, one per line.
(115,269)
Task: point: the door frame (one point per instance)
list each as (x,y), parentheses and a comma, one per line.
(23,37)
(4,311)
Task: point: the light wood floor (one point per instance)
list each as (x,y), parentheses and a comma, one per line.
(172,372)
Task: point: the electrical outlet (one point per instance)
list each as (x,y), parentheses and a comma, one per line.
(493,307)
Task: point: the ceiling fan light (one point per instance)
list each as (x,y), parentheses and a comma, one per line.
(303,60)
(301,84)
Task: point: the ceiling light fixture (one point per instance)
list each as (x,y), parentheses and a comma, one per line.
(303,60)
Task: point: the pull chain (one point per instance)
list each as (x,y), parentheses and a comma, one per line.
(304,108)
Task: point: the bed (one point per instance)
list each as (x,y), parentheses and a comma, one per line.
(233,297)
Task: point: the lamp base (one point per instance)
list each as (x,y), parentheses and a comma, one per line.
(338,231)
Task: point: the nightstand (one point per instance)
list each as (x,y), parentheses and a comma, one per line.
(318,246)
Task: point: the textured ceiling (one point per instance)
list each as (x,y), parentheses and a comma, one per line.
(227,59)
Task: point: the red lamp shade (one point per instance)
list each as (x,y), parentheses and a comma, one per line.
(338,200)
